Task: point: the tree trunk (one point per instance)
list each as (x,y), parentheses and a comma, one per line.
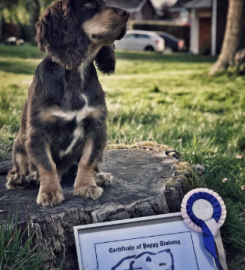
(36,14)
(1,25)
(148,181)
(34,9)
(233,49)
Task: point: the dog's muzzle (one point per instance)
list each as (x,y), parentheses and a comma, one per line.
(123,32)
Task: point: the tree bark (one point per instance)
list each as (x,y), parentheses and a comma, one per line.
(5,167)
(233,49)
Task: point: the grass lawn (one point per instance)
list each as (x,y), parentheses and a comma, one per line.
(164,98)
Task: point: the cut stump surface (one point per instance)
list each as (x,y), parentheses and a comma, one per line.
(144,184)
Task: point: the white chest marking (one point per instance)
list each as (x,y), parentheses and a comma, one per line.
(78,133)
(79,115)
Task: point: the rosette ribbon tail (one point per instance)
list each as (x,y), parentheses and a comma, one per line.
(212,242)
(197,218)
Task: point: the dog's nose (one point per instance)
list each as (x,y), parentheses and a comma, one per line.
(122,12)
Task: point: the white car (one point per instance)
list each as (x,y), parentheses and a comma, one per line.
(142,41)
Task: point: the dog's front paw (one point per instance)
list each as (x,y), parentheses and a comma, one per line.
(50,198)
(16,180)
(92,192)
(103,179)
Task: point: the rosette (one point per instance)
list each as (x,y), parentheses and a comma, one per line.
(204,211)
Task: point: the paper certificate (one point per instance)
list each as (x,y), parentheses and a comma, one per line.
(154,252)
(168,246)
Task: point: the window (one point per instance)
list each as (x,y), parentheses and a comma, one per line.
(130,36)
(142,36)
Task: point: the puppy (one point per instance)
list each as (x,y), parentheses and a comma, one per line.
(63,121)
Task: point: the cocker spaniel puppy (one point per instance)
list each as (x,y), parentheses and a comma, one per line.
(63,121)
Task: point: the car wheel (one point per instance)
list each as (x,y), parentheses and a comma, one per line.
(149,49)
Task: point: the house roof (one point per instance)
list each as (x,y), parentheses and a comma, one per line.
(129,5)
(196,4)
(180,4)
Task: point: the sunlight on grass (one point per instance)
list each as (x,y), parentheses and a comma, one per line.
(163,98)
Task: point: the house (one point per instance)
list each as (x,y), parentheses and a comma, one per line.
(208,23)
(179,12)
(140,10)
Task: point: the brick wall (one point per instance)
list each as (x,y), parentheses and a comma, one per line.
(205,35)
(175,15)
(11,30)
(148,12)
(133,16)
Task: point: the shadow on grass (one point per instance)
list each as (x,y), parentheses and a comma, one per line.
(23,52)
(171,58)
(17,68)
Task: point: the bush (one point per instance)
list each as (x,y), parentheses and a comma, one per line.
(27,33)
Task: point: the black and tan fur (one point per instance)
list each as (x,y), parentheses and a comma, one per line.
(63,121)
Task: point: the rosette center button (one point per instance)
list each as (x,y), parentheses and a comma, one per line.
(203,209)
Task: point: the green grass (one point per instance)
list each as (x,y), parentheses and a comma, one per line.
(164,98)
(15,252)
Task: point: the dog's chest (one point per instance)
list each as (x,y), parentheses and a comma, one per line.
(75,108)
(77,133)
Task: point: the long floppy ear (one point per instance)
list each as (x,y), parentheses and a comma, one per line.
(106,60)
(59,32)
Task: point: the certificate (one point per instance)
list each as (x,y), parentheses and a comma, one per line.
(161,242)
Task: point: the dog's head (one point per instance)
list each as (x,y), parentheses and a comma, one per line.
(73,30)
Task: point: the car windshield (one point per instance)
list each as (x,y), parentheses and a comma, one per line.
(130,36)
(142,36)
(167,35)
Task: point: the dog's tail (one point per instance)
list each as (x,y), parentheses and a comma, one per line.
(5,167)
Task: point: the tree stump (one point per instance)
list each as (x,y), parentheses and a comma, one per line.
(147,181)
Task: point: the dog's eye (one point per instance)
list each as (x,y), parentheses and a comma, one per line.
(89,4)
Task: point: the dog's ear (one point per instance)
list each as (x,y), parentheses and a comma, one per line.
(59,32)
(106,60)
(41,36)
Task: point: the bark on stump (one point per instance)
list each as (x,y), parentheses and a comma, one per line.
(144,184)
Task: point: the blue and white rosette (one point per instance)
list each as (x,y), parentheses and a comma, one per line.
(204,211)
